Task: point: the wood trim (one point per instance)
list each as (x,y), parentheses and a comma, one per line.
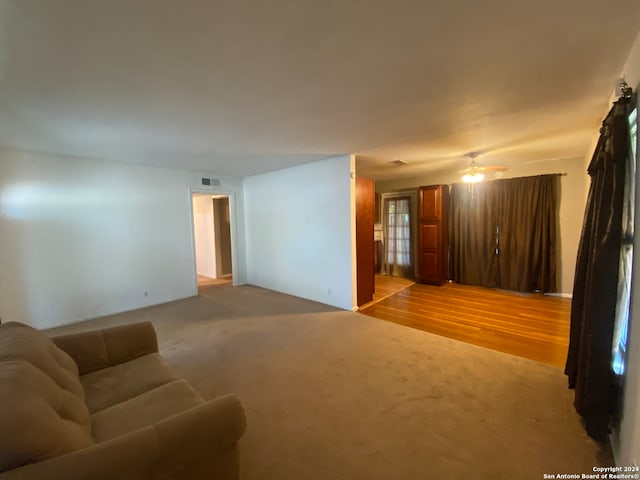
(365,197)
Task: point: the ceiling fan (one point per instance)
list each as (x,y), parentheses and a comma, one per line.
(473,173)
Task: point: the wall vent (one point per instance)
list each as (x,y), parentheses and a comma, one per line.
(210,182)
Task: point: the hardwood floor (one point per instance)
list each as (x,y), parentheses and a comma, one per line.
(532,325)
(385,286)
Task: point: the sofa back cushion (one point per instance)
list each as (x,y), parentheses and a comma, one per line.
(22,341)
(42,408)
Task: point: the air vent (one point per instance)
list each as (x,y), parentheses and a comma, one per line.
(210,182)
(399,163)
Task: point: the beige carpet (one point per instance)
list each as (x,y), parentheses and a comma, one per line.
(332,394)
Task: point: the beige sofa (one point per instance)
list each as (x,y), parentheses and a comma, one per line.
(104,405)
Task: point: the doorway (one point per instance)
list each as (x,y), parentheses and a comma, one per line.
(212,238)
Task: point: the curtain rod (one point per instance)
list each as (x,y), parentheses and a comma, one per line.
(625,90)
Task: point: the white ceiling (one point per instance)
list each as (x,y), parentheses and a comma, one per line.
(240,87)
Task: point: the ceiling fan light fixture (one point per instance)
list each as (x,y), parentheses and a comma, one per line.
(473,177)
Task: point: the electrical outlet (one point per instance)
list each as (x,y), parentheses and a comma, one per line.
(329,291)
(146,294)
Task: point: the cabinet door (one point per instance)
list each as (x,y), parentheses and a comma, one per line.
(430,236)
(430,267)
(430,252)
(431,203)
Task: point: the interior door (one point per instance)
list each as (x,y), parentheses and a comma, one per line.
(222,226)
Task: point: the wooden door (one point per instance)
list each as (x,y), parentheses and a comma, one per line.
(432,236)
(222,229)
(365,210)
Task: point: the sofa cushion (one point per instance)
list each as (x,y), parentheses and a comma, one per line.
(96,349)
(106,387)
(38,418)
(144,410)
(19,341)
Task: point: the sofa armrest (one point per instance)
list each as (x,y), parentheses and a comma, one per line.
(97,349)
(162,450)
(195,433)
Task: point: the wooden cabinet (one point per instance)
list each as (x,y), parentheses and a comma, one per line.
(432,234)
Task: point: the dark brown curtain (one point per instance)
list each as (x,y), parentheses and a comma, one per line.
(527,233)
(472,234)
(504,233)
(593,308)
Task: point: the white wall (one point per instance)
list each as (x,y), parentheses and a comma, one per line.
(82,238)
(628,451)
(573,189)
(299,232)
(204,234)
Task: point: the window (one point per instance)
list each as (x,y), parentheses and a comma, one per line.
(621,326)
(399,232)
(398,252)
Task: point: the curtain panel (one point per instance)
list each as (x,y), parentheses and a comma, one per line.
(595,295)
(504,233)
(527,222)
(472,234)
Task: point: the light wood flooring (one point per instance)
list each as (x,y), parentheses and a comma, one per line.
(385,286)
(531,325)
(206,281)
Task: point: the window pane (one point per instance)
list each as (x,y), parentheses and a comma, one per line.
(621,326)
(398,233)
